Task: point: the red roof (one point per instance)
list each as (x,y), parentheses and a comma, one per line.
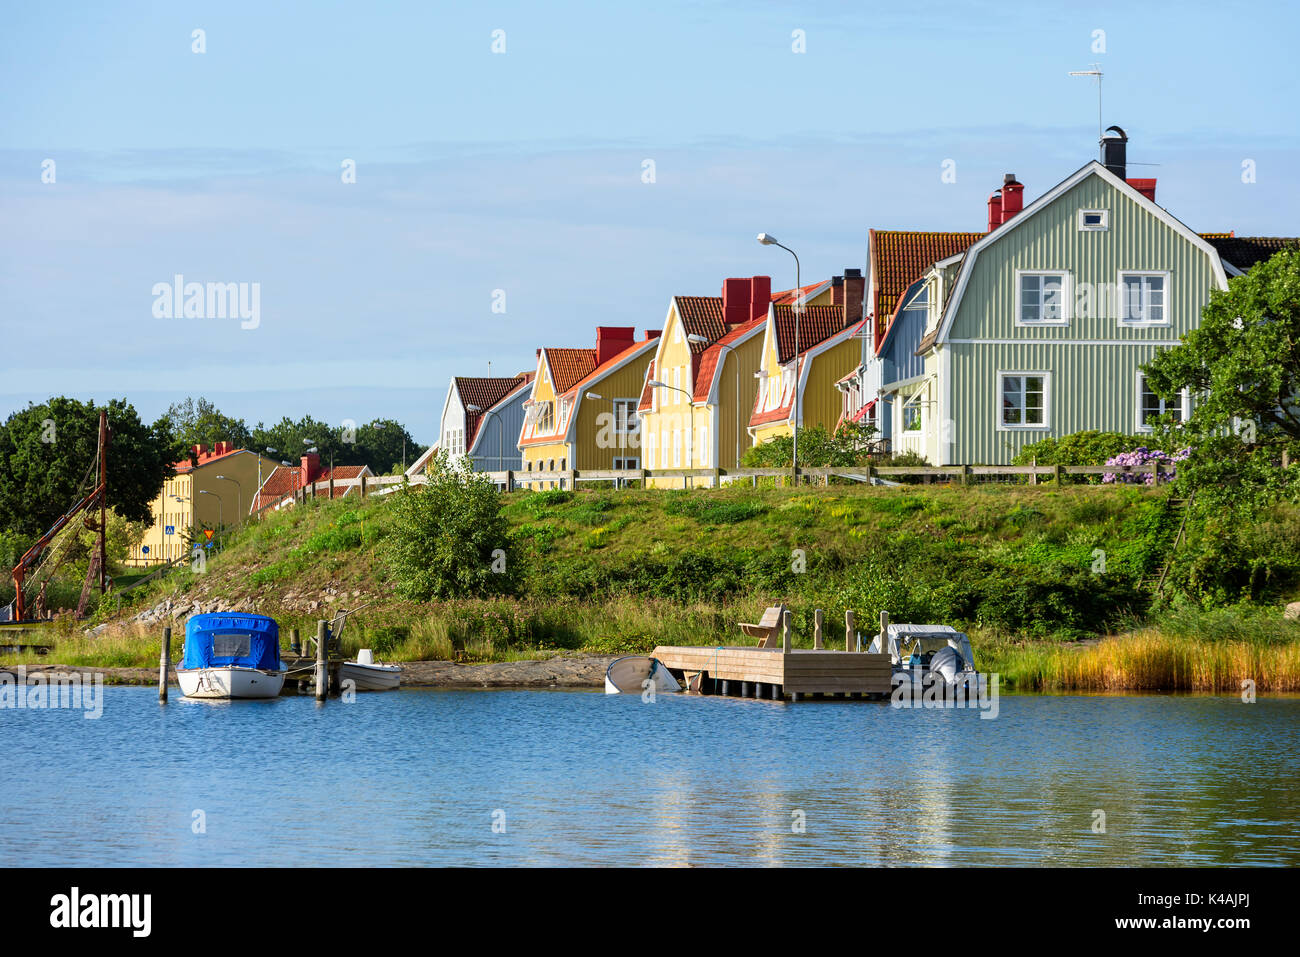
(787,296)
(783,412)
(712,356)
(568,366)
(701,316)
(485,393)
(816,324)
(206,456)
(898,258)
(647,390)
(284,480)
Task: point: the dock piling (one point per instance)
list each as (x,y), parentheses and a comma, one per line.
(785,632)
(322,667)
(850,632)
(164,664)
(817,630)
(884,632)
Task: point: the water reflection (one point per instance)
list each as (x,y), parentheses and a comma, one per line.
(420,777)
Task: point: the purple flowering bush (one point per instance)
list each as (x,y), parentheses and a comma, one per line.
(1143,457)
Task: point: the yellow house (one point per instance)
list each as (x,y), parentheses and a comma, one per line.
(700,387)
(581,413)
(210,488)
(828,349)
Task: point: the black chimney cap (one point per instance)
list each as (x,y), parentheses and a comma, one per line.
(852,273)
(837,281)
(1009,179)
(1122,135)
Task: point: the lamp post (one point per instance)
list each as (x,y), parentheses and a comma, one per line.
(767,239)
(241,490)
(221,519)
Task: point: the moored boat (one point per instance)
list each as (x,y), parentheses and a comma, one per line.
(628,675)
(231,656)
(923,651)
(369,675)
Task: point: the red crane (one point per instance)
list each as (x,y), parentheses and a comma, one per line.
(98,564)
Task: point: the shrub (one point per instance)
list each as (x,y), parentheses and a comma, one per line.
(1090,447)
(446,536)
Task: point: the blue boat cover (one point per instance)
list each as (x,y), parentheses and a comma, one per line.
(215,640)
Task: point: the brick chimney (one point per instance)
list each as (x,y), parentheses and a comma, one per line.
(1147,187)
(310,469)
(837,290)
(995,210)
(735,300)
(855,291)
(611,340)
(199,450)
(653,334)
(760,297)
(1013,197)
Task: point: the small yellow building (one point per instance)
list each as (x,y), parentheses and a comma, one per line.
(581,413)
(210,488)
(827,350)
(700,387)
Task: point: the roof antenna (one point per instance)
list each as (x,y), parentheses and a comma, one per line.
(1095,71)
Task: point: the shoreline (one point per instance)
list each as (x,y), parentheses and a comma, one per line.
(575,671)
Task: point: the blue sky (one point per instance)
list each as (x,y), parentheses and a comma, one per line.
(522,171)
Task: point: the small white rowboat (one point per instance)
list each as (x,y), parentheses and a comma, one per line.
(628,675)
(369,676)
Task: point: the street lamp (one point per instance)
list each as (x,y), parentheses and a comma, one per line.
(221,519)
(767,239)
(238,486)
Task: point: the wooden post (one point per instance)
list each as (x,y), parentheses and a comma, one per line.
(363,485)
(785,632)
(965,475)
(1033,476)
(331,486)
(850,632)
(884,632)
(817,629)
(322,667)
(1155,472)
(1286,459)
(1058,474)
(871,471)
(164,664)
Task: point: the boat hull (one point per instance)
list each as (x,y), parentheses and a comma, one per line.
(370,677)
(628,675)
(229,682)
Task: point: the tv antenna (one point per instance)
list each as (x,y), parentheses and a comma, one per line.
(1095,71)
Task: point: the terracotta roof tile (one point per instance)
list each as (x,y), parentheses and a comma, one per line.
(647,392)
(485,393)
(817,324)
(701,316)
(1244,251)
(898,258)
(569,366)
(786,296)
(710,357)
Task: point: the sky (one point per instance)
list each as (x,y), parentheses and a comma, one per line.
(503,155)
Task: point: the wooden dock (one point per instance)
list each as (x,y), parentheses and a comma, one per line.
(773,673)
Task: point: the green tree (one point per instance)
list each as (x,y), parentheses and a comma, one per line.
(449,537)
(291,439)
(1242,366)
(850,445)
(190,422)
(384,445)
(47,461)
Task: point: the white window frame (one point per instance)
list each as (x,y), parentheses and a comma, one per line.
(1184,404)
(627,462)
(1105,220)
(914,401)
(631,420)
(1129,323)
(1067,296)
(677,448)
(649,448)
(1046,424)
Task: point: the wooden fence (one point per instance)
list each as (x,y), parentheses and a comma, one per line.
(1151,473)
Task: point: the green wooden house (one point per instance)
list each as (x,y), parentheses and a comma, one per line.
(1042,326)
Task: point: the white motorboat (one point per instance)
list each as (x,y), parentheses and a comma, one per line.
(231,656)
(922,651)
(629,674)
(369,675)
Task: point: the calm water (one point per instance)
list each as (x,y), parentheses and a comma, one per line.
(414,777)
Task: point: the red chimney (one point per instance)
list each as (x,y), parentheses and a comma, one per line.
(855,291)
(1013,196)
(760,296)
(735,300)
(1147,187)
(611,340)
(199,450)
(995,210)
(310,469)
(653,334)
(837,290)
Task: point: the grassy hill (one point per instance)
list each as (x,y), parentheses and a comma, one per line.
(1037,575)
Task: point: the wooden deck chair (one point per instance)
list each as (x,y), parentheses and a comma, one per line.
(768,629)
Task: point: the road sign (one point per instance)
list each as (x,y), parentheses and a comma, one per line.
(208,532)
(169,529)
(207,545)
(144,549)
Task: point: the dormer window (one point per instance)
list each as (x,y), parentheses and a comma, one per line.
(1094,220)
